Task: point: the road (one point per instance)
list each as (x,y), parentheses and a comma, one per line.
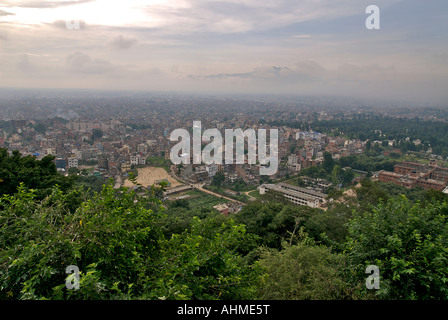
(117,182)
(200,186)
(251,198)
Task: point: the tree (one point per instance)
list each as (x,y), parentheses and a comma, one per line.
(40,127)
(97,133)
(110,237)
(368,145)
(275,220)
(203,263)
(304,271)
(73,171)
(218,179)
(370,193)
(347,176)
(239,184)
(409,245)
(116,241)
(40,175)
(336,174)
(328,162)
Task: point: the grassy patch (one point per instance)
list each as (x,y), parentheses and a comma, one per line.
(201,199)
(255,194)
(222,191)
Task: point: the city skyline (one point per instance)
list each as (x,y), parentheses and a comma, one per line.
(278,47)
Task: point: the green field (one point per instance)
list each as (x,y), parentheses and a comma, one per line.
(200,199)
(242,197)
(255,194)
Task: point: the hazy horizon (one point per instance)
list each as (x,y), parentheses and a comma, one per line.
(311,48)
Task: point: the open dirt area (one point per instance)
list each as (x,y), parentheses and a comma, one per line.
(150,175)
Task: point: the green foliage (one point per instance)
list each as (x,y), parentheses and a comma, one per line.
(275,222)
(116,240)
(328,162)
(304,271)
(369,162)
(240,185)
(203,263)
(370,193)
(40,127)
(128,246)
(375,127)
(40,175)
(97,133)
(93,183)
(180,213)
(218,179)
(159,162)
(315,172)
(409,244)
(110,235)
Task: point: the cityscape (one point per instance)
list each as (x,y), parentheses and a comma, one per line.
(112,144)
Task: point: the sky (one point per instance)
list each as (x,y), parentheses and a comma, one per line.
(303,47)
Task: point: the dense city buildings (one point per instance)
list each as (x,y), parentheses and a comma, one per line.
(111,135)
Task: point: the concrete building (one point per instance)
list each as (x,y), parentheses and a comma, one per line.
(211,169)
(294,163)
(72,162)
(137,160)
(61,163)
(103,163)
(296,195)
(412,174)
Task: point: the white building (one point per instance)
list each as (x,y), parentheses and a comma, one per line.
(296,195)
(308,135)
(211,169)
(50,151)
(293,163)
(138,160)
(72,162)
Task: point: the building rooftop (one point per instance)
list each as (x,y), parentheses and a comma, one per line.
(390,173)
(303,190)
(291,192)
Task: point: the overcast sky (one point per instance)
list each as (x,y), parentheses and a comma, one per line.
(266,46)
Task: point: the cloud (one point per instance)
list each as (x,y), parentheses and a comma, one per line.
(122,42)
(4,13)
(232,16)
(315,46)
(23,64)
(303,72)
(82,63)
(42,4)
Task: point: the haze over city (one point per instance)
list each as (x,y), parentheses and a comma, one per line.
(294,47)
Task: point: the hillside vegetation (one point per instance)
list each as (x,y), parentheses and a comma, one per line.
(129,244)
